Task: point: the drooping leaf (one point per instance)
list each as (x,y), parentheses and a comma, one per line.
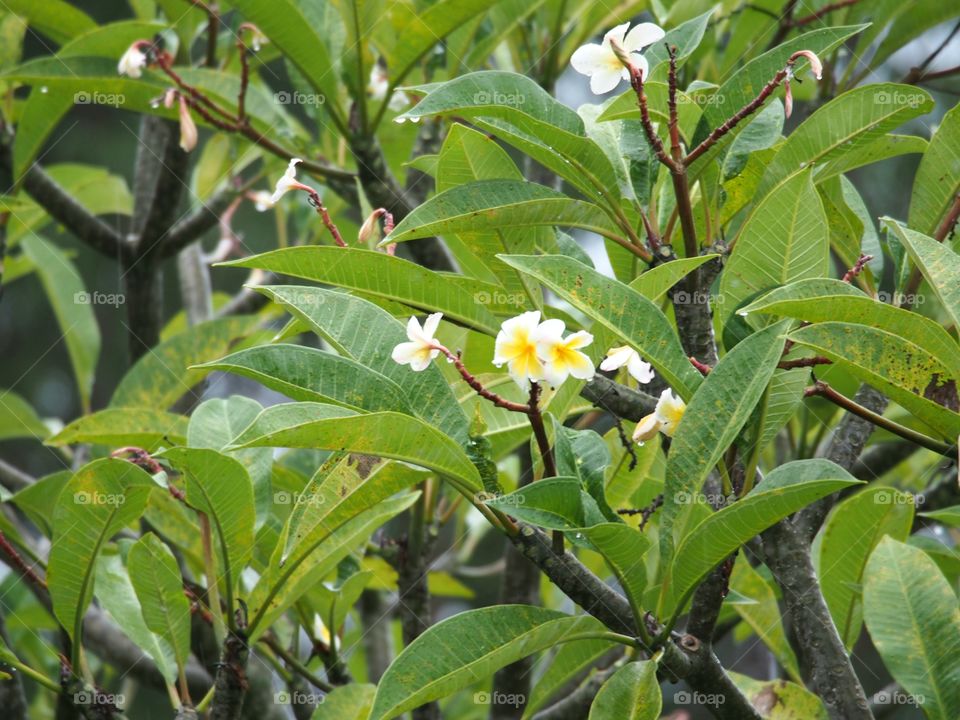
(763,614)
(220,487)
(914,620)
(785,490)
(18,419)
(456,652)
(631,693)
(159,586)
(714,417)
(72,307)
(937,181)
(850,534)
(555,503)
(100,499)
(784,239)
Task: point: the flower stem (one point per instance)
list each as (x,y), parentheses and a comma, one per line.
(825,391)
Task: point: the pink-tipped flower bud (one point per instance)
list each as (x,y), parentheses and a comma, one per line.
(816,67)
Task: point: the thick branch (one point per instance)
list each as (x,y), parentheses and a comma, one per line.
(618,399)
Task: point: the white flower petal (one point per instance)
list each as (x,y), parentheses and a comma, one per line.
(581,366)
(414,332)
(591,58)
(641,371)
(421,361)
(642,65)
(604,80)
(646,429)
(642,35)
(549,330)
(431,324)
(618,33)
(617,357)
(404,353)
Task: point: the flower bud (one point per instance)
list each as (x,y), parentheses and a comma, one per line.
(188,128)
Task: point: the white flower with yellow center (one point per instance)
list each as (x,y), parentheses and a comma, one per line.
(516,346)
(664,418)
(133,61)
(287,182)
(601,63)
(617,357)
(421,348)
(560,355)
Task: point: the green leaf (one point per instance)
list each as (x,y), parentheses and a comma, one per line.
(384,434)
(615,306)
(58,20)
(557,503)
(162,376)
(100,499)
(143,427)
(947,516)
(278,589)
(458,651)
(215,423)
(763,614)
(220,487)
(307,374)
(631,693)
(939,264)
(116,595)
(71,305)
(583,454)
(785,238)
(352,701)
(499,204)
(937,181)
(713,419)
(568,661)
(655,282)
(903,370)
(159,586)
(623,548)
(913,618)
(18,419)
(784,491)
(359,329)
(842,128)
(850,534)
(385,276)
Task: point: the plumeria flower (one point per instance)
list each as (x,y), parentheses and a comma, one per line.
(261,199)
(617,357)
(601,63)
(421,348)
(516,345)
(378,86)
(188,128)
(560,355)
(133,61)
(816,67)
(664,418)
(288,182)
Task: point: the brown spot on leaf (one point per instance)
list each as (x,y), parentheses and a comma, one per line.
(365,464)
(766,700)
(944,394)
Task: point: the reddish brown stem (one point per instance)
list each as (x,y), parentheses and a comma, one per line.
(701,367)
(478,387)
(857,268)
(16,561)
(321,209)
(636,81)
(803,362)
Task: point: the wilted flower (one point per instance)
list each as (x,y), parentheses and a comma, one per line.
(664,418)
(421,348)
(133,61)
(617,357)
(601,62)
(516,345)
(561,356)
(188,128)
(261,199)
(816,67)
(288,182)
